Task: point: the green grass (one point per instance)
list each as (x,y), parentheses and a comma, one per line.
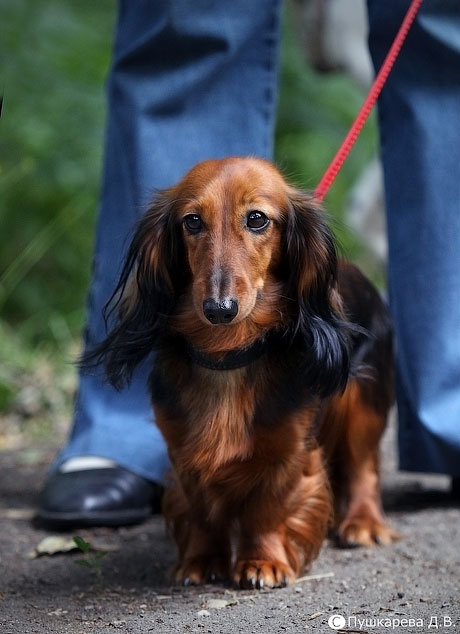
(56,54)
(91,561)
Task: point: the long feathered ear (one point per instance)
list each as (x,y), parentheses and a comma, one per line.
(144,296)
(312,274)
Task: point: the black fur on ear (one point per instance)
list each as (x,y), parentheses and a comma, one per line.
(319,326)
(150,280)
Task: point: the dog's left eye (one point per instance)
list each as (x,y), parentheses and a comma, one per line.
(256,220)
(193,223)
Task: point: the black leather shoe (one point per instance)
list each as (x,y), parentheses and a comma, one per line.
(97,497)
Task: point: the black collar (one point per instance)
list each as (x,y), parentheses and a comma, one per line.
(232,360)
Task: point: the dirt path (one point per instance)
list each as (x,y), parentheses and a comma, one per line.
(410,586)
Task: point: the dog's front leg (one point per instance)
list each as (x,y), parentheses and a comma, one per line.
(262,561)
(204,551)
(273,556)
(206,558)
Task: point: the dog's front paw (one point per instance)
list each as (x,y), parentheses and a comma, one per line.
(261,573)
(199,570)
(365,530)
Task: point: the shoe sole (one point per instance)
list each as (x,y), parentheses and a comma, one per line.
(101,518)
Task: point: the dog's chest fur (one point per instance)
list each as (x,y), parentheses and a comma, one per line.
(211,418)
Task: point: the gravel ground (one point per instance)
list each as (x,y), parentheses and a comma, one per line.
(409,586)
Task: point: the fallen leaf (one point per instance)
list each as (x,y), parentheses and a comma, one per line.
(17,514)
(52,545)
(217,604)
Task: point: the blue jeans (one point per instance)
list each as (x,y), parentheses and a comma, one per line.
(189,81)
(419,113)
(197,80)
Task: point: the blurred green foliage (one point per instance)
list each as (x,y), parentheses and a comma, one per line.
(315,112)
(55,56)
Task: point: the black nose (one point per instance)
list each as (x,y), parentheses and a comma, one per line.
(220,312)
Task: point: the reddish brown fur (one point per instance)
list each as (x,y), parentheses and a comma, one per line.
(249,264)
(251,498)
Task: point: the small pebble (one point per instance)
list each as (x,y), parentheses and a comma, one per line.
(203,613)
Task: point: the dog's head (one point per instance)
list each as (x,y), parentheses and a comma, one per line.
(231,244)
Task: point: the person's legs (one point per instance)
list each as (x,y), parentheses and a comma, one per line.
(419,118)
(189,81)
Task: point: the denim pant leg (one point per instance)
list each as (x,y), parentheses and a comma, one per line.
(189,81)
(419,114)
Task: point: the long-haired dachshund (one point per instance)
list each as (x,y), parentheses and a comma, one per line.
(272,376)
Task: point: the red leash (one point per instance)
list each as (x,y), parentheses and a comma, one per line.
(334,167)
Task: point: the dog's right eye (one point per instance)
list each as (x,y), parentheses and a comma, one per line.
(193,223)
